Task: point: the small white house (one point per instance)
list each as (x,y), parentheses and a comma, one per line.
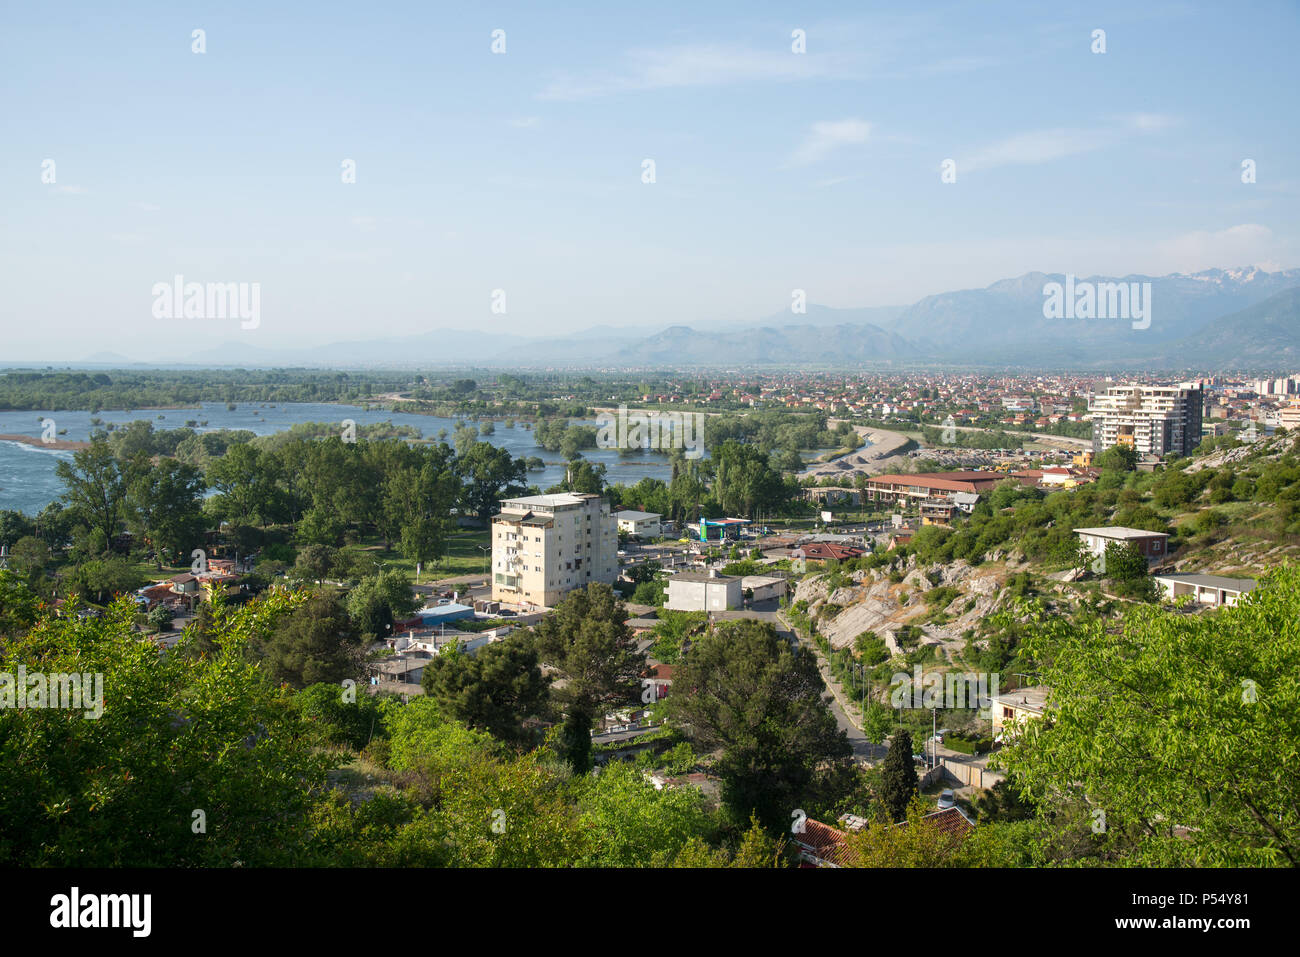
(640,524)
(1213,590)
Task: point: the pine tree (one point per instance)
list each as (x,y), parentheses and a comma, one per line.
(898,776)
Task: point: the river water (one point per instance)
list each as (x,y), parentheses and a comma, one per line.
(28,482)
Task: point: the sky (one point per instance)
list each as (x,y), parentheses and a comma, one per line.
(516,180)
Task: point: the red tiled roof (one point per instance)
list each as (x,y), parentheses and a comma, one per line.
(830,550)
(948,821)
(824,842)
(947,481)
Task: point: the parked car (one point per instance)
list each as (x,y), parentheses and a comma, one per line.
(947,800)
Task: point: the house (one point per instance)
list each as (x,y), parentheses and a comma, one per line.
(821,845)
(831,495)
(1153,545)
(639,524)
(950,821)
(829,552)
(660,679)
(1013,708)
(937,512)
(704,591)
(1213,590)
(763,587)
(402,669)
(434,616)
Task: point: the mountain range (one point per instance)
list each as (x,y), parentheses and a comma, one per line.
(1217,319)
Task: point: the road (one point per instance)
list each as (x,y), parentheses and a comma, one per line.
(863,750)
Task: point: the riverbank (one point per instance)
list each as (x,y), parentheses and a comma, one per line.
(882,454)
(45,443)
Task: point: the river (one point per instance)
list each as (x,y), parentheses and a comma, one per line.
(28,482)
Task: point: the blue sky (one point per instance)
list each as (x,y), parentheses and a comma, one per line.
(522,171)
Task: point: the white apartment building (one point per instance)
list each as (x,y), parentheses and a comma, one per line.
(1154,420)
(546,545)
(704,591)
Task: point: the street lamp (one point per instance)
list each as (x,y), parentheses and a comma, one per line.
(485,549)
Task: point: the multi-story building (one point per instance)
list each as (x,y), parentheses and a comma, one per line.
(1153,419)
(546,545)
(930,485)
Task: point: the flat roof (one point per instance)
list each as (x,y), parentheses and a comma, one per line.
(635,516)
(1211,581)
(1119,531)
(702,577)
(1026,699)
(438,611)
(557,500)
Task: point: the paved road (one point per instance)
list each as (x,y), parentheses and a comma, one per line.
(863,750)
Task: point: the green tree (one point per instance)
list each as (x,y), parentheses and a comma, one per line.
(315,563)
(586,639)
(1199,715)
(488,474)
(744,688)
(1120,458)
(30,556)
(165,501)
(95,486)
(316,642)
(112,575)
(379,600)
(248,485)
(494,690)
(176,735)
(630,824)
(898,781)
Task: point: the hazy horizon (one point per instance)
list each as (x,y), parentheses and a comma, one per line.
(522,171)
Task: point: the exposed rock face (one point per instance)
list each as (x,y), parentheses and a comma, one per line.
(874,603)
(1266,449)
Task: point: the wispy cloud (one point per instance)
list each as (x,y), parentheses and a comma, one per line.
(826,137)
(1035,147)
(689,66)
(526,122)
(148,207)
(1245,243)
(71,190)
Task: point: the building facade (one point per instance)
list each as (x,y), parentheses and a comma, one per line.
(546,545)
(704,591)
(1154,420)
(920,486)
(1152,545)
(639,524)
